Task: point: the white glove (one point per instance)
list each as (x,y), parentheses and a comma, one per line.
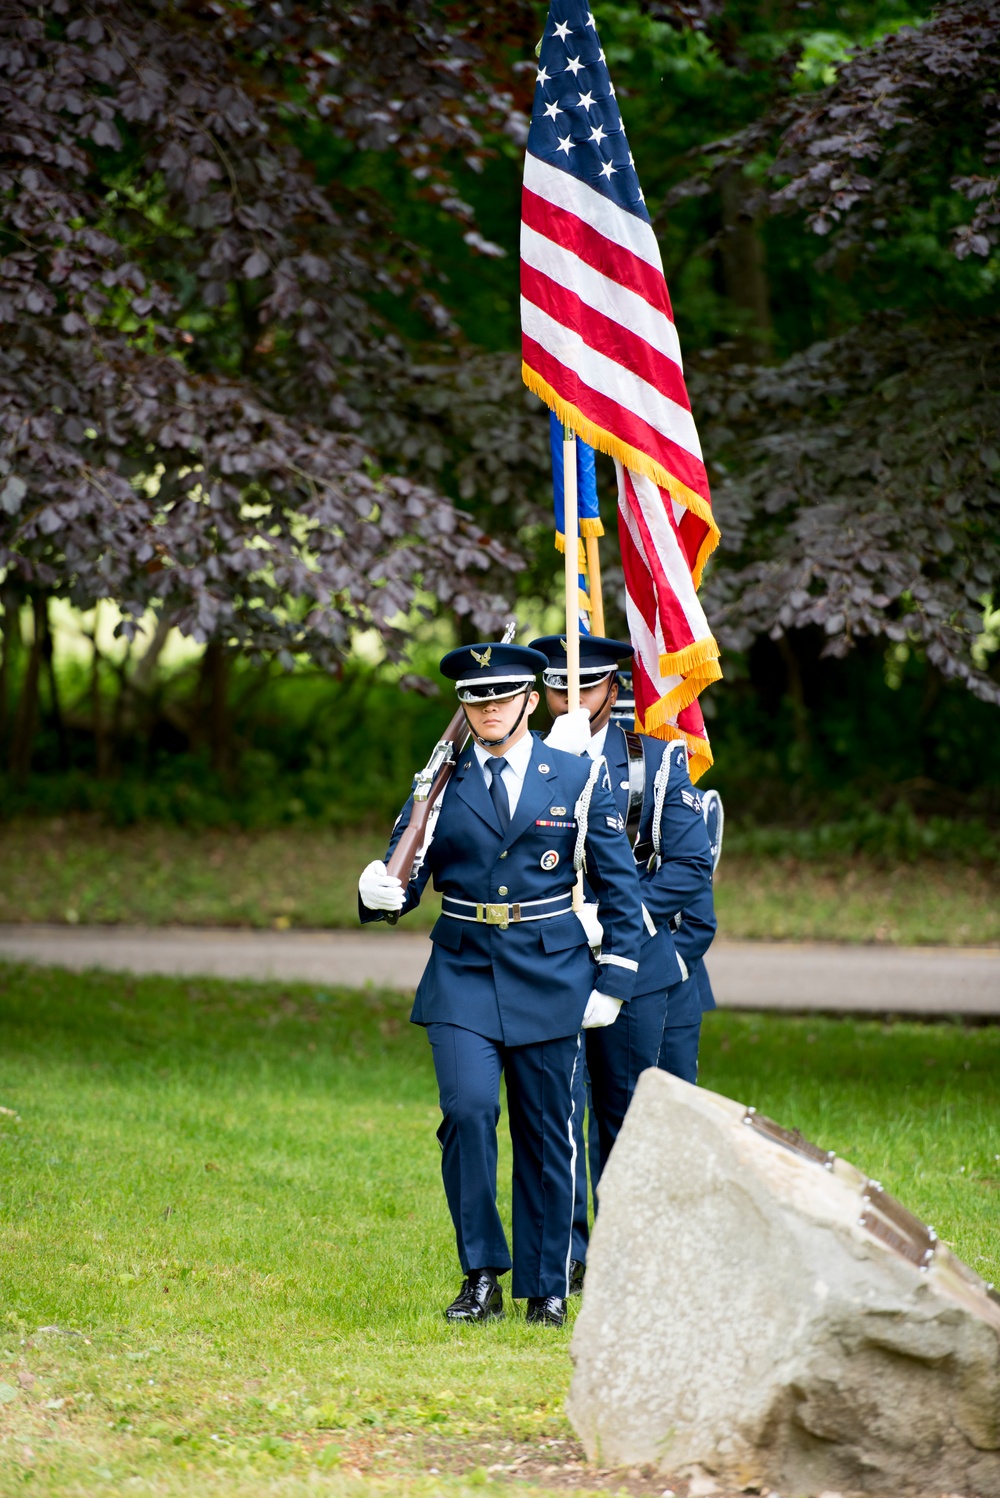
(587,916)
(601,1010)
(570,732)
(380,890)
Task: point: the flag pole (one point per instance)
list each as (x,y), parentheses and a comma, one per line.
(571,557)
(596,593)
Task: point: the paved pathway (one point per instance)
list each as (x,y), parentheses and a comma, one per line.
(745,975)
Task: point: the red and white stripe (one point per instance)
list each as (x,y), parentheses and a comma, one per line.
(601,347)
(597,322)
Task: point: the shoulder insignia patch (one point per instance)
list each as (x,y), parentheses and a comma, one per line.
(692,799)
(616,823)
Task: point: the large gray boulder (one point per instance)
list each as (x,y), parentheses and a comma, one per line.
(757,1310)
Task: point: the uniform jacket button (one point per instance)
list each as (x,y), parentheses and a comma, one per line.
(502,889)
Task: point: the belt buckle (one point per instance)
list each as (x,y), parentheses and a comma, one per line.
(496,915)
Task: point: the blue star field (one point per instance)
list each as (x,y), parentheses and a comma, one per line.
(576,124)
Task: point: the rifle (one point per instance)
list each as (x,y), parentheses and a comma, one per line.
(428,788)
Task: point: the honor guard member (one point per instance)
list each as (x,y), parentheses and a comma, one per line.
(662,817)
(511,979)
(682,1025)
(690,1000)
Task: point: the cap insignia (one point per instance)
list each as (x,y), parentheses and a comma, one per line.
(484,659)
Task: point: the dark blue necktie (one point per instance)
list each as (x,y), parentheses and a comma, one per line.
(498,791)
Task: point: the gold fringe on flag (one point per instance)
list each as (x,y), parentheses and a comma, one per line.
(700,653)
(699,752)
(700,662)
(581,550)
(589,526)
(631,457)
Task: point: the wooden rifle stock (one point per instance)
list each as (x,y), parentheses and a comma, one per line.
(427,792)
(429,789)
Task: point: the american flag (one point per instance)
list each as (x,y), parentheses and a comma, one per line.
(599,346)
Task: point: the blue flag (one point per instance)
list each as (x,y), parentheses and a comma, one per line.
(586,484)
(587,508)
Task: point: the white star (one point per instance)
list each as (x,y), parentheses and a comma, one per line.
(565,144)
(552,110)
(642,196)
(612,89)
(631,159)
(597,133)
(574,65)
(542,76)
(602,56)
(585,101)
(590,20)
(563,30)
(607,170)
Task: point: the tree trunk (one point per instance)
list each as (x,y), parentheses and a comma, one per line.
(121,702)
(215,687)
(48,656)
(930,746)
(97,708)
(27,707)
(11,602)
(145,671)
(796,695)
(742,253)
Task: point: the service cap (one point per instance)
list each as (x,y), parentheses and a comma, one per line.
(491,670)
(598,659)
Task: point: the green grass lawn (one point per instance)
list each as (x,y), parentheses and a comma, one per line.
(224,1247)
(76,870)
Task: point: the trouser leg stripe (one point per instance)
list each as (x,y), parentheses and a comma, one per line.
(572,1162)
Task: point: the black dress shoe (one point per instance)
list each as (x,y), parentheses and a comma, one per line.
(546,1310)
(577,1270)
(480,1298)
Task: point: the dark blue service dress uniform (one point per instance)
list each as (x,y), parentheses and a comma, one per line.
(689,1000)
(678,880)
(661,1025)
(511,998)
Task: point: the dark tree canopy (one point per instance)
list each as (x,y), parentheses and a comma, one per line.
(857,482)
(866,492)
(184,309)
(915,115)
(233,380)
